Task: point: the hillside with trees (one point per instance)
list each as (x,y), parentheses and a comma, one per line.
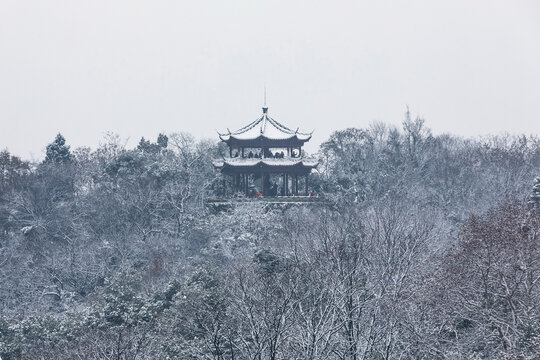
(425,247)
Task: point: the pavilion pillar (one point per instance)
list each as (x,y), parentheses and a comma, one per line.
(242,151)
(290,185)
(307,180)
(296,185)
(247,184)
(291,179)
(238,182)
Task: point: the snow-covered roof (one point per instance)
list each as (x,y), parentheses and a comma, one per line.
(237,162)
(265,127)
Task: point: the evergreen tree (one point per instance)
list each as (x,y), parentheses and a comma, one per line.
(144,145)
(58,152)
(162,141)
(147,146)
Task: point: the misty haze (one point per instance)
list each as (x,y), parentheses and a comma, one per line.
(270,180)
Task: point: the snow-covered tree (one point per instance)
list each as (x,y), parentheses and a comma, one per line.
(534,198)
(58,152)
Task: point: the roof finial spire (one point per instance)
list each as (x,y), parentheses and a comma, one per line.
(265,108)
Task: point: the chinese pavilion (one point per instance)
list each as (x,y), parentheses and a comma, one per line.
(265,158)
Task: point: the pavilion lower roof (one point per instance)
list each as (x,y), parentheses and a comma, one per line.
(302,165)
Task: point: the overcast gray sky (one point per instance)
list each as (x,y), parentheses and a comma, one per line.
(138,68)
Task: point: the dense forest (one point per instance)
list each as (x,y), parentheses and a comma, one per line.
(421,247)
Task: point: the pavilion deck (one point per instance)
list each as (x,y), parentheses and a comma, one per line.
(273,200)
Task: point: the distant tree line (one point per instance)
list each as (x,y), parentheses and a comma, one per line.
(425,247)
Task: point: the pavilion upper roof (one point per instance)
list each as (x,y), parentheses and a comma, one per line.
(265,128)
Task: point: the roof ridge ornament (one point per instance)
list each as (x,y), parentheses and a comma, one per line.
(265,107)
(263,125)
